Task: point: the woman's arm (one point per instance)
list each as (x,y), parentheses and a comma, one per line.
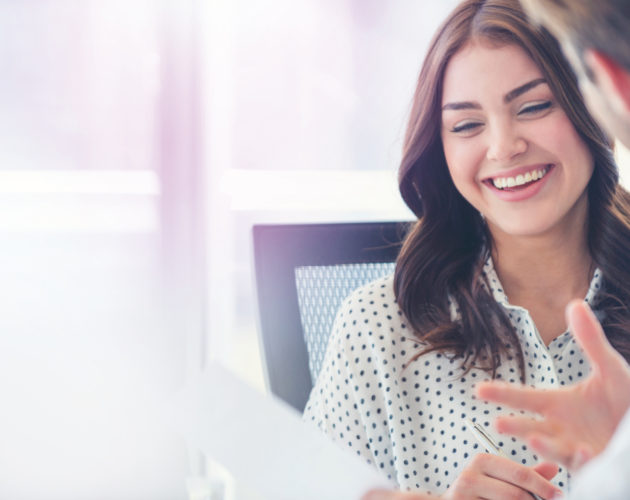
(335,404)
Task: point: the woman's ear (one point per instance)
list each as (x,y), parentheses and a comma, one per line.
(612,79)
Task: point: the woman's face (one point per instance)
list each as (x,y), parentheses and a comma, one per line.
(511,150)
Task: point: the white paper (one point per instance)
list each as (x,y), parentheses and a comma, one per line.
(265,444)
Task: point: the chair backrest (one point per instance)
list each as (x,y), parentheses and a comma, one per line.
(303,273)
(321,290)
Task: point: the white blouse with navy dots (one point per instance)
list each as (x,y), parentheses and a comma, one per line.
(409,420)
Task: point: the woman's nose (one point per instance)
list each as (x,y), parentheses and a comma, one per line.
(505,144)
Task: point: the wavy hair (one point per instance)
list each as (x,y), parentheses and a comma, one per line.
(443,255)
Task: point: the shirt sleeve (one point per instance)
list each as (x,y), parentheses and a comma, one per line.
(347,401)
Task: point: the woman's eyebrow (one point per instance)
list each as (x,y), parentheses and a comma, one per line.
(461,105)
(509,97)
(513,94)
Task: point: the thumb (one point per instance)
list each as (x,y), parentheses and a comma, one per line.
(590,335)
(546,469)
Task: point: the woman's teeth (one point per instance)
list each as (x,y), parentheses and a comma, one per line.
(519,180)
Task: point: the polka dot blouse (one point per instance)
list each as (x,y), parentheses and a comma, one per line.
(408,420)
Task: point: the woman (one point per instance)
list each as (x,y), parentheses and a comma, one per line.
(519,212)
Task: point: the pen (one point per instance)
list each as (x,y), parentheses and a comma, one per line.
(489,445)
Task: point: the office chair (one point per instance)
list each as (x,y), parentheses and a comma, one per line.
(303,274)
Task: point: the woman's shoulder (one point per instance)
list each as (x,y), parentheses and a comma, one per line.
(371,298)
(371,312)
(383,287)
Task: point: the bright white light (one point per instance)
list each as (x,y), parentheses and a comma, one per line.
(315,190)
(111,201)
(77,214)
(135,182)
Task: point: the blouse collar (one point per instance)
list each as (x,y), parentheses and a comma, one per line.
(496,288)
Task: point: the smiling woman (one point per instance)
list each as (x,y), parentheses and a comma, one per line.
(519,212)
(511,150)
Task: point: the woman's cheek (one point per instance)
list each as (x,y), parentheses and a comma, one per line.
(464,161)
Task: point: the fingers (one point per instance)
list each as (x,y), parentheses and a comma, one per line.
(590,335)
(394,495)
(524,426)
(491,476)
(582,455)
(507,471)
(557,450)
(548,470)
(547,440)
(520,397)
(489,488)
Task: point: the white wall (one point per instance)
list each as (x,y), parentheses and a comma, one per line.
(95,325)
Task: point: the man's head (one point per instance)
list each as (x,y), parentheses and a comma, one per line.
(595,35)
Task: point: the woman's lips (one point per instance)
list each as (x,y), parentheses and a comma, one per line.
(520,186)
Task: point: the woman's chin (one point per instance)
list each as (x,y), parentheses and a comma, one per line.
(520,228)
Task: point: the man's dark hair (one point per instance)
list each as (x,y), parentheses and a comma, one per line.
(602,25)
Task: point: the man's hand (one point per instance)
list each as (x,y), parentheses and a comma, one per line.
(578,421)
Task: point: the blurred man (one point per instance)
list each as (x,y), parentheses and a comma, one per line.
(591,417)
(595,36)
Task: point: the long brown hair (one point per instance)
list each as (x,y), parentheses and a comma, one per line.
(443,255)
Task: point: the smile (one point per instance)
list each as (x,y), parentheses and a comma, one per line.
(519,181)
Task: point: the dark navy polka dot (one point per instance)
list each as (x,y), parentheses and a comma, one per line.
(407,417)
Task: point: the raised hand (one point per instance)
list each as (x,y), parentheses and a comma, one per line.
(578,421)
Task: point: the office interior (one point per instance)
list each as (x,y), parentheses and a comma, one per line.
(140,141)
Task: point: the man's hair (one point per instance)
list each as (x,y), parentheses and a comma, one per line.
(602,25)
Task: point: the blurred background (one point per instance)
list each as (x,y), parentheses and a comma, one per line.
(139,142)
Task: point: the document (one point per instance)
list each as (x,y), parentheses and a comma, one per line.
(266,446)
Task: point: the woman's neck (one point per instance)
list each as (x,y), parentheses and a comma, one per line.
(544,273)
(553,268)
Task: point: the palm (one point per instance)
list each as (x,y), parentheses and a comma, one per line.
(587,410)
(579,420)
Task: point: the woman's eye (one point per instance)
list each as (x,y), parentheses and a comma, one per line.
(535,108)
(465,127)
